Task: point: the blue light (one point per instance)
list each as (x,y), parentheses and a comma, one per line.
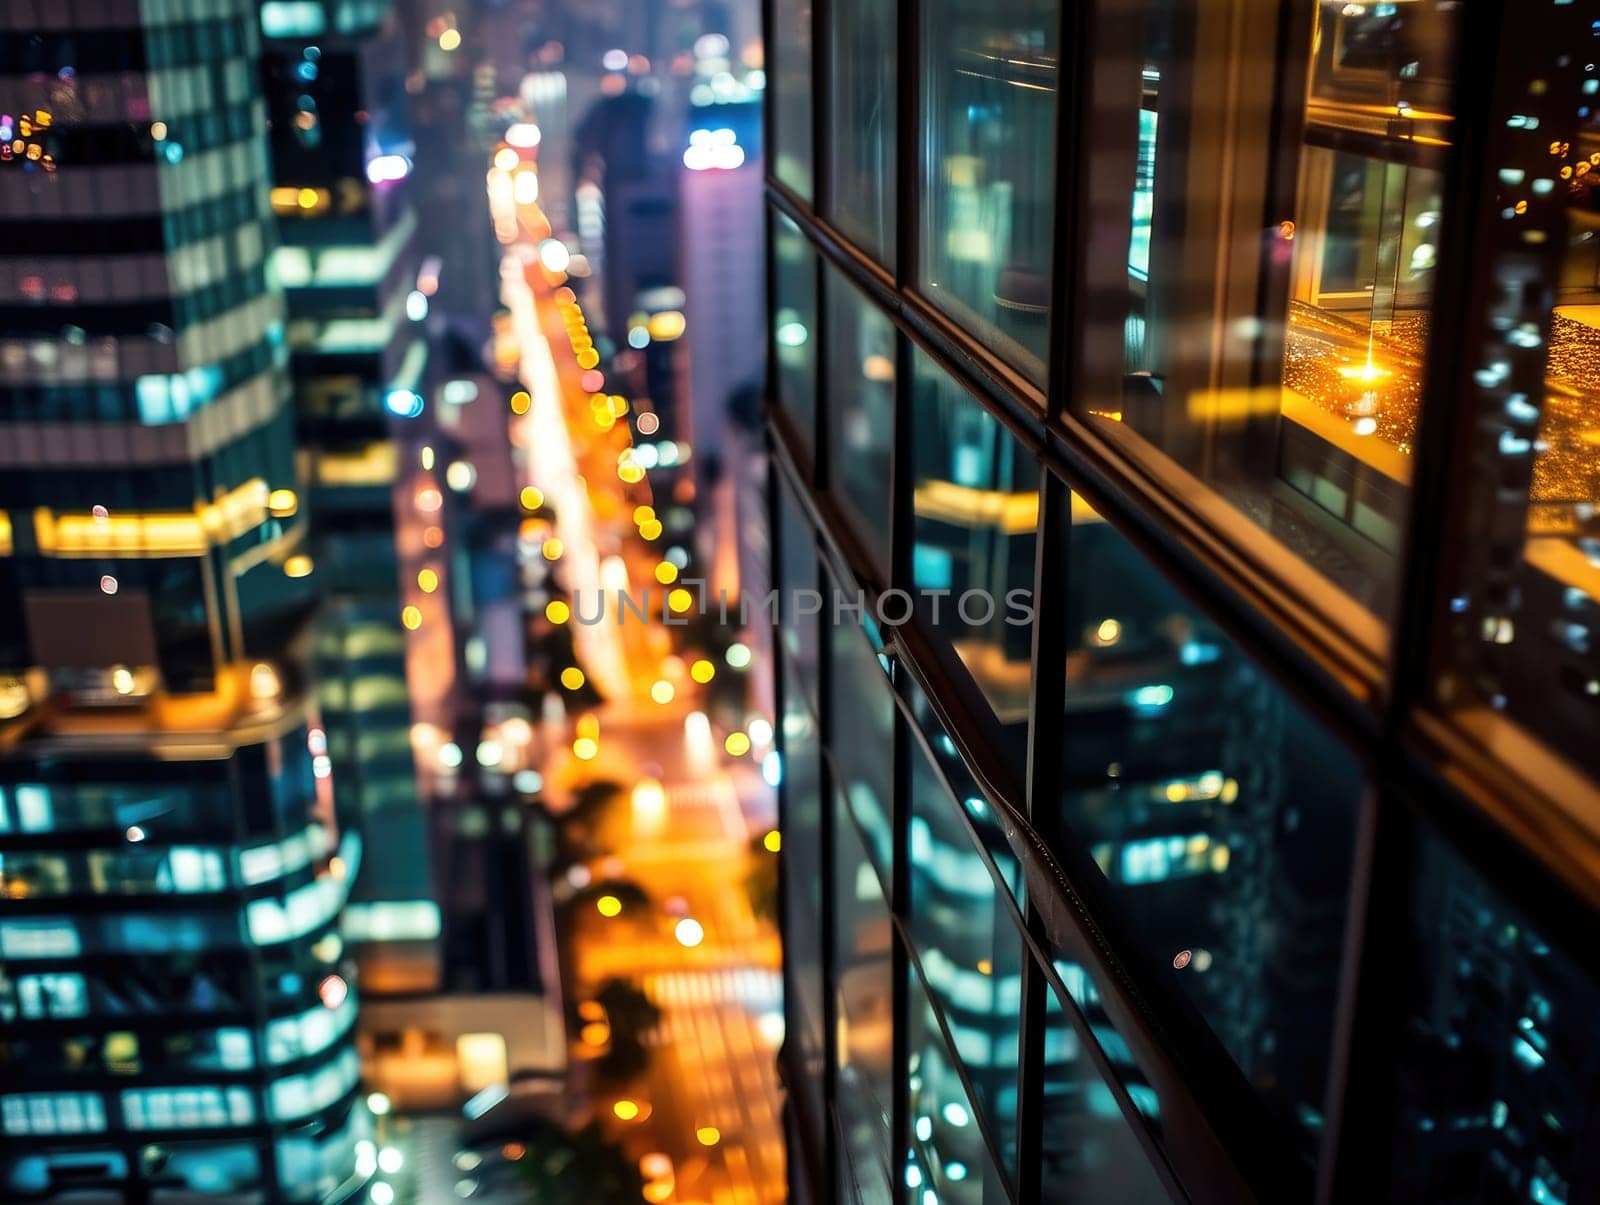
(1151,698)
(173,152)
(404,403)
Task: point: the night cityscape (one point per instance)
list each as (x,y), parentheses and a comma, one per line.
(722,602)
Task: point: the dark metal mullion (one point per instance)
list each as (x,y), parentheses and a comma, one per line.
(1046,708)
(826,869)
(820,475)
(822,104)
(908,143)
(1072,42)
(900,909)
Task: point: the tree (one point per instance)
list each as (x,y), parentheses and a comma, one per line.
(581,1167)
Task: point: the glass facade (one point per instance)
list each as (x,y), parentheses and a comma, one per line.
(1191,772)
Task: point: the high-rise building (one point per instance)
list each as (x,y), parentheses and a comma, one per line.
(1186,413)
(176,1014)
(348,260)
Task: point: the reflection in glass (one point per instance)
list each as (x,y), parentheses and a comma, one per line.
(1221,816)
(969,947)
(861,738)
(1089,1152)
(794,325)
(949,1157)
(989,75)
(803,879)
(863,981)
(1526,628)
(860,412)
(976,504)
(981,814)
(799,632)
(862,169)
(1496,1069)
(790,51)
(1265,329)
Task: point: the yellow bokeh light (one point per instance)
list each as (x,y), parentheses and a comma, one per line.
(412,618)
(702,671)
(680,600)
(283,503)
(585,748)
(662,691)
(633,474)
(553,548)
(608,905)
(708,1135)
(427,580)
(572,677)
(298,565)
(666,573)
(521,401)
(625,1110)
(773,841)
(595,1033)
(588,358)
(506,158)
(666,326)
(737,744)
(531,497)
(650,530)
(588,725)
(643,514)
(557,611)
(449,40)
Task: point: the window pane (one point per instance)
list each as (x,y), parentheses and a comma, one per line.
(1525,630)
(948,1150)
(800,632)
(989,77)
(794,325)
(863,984)
(1221,816)
(1257,311)
(1087,1144)
(791,94)
(803,879)
(976,507)
(1497,1059)
(861,738)
(860,413)
(863,120)
(970,947)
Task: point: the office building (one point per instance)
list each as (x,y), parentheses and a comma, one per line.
(176,1010)
(1187,412)
(348,261)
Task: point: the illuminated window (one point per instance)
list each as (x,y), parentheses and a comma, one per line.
(33,808)
(39,939)
(187,1108)
(53,1113)
(60,995)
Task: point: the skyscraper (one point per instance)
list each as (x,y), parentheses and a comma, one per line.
(176,1016)
(348,261)
(1180,408)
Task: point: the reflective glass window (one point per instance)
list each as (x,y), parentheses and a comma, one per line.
(1257,310)
(860,410)
(790,51)
(1087,1144)
(798,627)
(1523,633)
(863,986)
(969,945)
(1497,1055)
(794,324)
(949,1156)
(861,739)
(976,505)
(1221,816)
(988,94)
(861,146)
(804,880)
